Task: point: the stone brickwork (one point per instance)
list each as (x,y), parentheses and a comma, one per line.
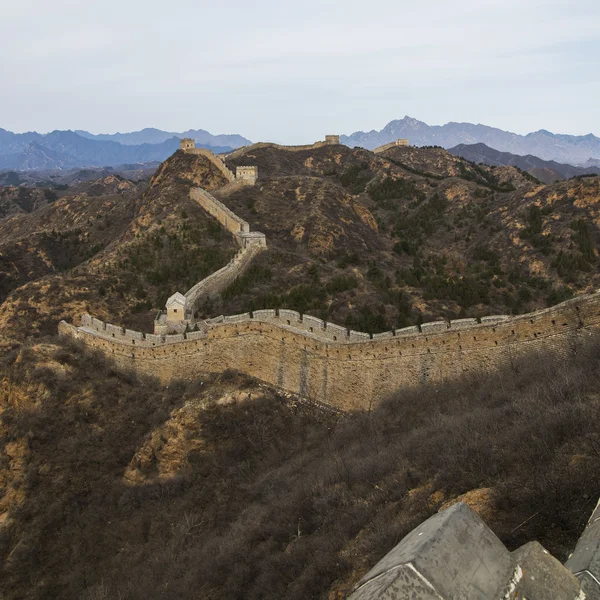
(187,144)
(182,314)
(397,144)
(455,556)
(348,370)
(332,140)
(219,211)
(216,282)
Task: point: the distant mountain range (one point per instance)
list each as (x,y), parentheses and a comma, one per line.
(157,136)
(547,171)
(572,149)
(70,149)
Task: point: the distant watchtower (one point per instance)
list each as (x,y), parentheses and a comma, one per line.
(247,175)
(332,140)
(187,144)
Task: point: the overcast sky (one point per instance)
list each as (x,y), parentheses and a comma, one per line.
(295,71)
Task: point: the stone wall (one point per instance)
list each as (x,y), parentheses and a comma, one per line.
(215,160)
(398,143)
(245,149)
(345,369)
(219,280)
(247,175)
(219,211)
(455,556)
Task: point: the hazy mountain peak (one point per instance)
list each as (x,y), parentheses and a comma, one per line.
(60,149)
(542,143)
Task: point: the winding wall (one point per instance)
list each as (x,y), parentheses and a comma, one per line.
(219,211)
(245,149)
(219,280)
(328,363)
(215,160)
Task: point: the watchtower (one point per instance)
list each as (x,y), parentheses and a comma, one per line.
(247,175)
(403,143)
(176,306)
(332,140)
(187,144)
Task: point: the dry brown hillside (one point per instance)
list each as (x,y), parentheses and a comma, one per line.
(370,241)
(116,487)
(113,486)
(126,251)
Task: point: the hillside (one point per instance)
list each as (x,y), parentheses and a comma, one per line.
(368,241)
(562,148)
(425,235)
(547,171)
(118,487)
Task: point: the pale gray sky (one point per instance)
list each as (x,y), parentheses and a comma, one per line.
(294,71)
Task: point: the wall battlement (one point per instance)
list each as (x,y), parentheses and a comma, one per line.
(345,369)
(220,279)
(330,140)
(455,556)
(247,175)
(401,143)
(219,211)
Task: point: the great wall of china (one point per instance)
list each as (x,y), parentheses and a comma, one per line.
(322,361)
(451,556)
(348,370)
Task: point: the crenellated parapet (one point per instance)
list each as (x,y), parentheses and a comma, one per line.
(219,211)
(454,555)
(183,316)
(401,143)
(330,140)
(333,365)
(189,147)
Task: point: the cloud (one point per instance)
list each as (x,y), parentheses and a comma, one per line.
(192,63)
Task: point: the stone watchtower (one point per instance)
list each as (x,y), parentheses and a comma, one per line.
(176,306)
(247,175)
(332,140)
(187,144)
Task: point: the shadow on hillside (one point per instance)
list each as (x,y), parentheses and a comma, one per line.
(275,502)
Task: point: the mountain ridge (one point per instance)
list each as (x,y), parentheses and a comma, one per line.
(547,171)
(65,149)
(543,144)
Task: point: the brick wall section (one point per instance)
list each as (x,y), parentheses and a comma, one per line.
(245,149)
(215,160)
(347,370)
(219,211)
(219,280)
(396,144)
